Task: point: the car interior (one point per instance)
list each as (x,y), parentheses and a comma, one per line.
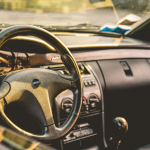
(73,90)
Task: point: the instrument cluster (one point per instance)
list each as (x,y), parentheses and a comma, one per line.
(10,61)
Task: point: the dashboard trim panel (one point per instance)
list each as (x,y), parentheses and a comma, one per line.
(45,59)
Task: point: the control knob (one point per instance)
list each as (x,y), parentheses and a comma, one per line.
(67,104)
(94,101)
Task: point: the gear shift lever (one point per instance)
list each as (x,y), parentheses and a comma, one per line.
(120,127)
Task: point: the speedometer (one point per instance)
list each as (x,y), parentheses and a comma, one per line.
(6,62)
(22,61)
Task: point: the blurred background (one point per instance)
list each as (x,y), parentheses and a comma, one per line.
(66,12)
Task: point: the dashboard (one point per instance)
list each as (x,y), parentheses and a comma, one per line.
(116,83)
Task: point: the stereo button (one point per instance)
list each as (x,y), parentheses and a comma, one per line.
(86,83)
(93,82)
(90,82)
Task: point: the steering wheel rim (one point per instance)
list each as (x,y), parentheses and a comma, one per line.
(50,131)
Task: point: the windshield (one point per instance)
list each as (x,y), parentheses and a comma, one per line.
(70,12)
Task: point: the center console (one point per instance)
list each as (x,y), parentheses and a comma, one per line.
(91,95)
(88,125)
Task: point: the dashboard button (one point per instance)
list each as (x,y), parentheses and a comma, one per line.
(90,82)
(86,83)
(87,107)
(93,82)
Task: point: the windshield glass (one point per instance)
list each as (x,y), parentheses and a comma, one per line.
(70,12)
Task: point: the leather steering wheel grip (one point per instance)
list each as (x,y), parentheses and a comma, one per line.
(50,132)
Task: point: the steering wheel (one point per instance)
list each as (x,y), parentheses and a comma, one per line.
(36,88)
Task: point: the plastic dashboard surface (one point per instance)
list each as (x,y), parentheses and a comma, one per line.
(125,80)
(126,89)
(127,94)
(123,72)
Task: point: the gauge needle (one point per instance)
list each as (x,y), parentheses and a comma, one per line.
(4,61)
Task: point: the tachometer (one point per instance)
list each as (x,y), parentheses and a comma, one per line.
(6,61)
